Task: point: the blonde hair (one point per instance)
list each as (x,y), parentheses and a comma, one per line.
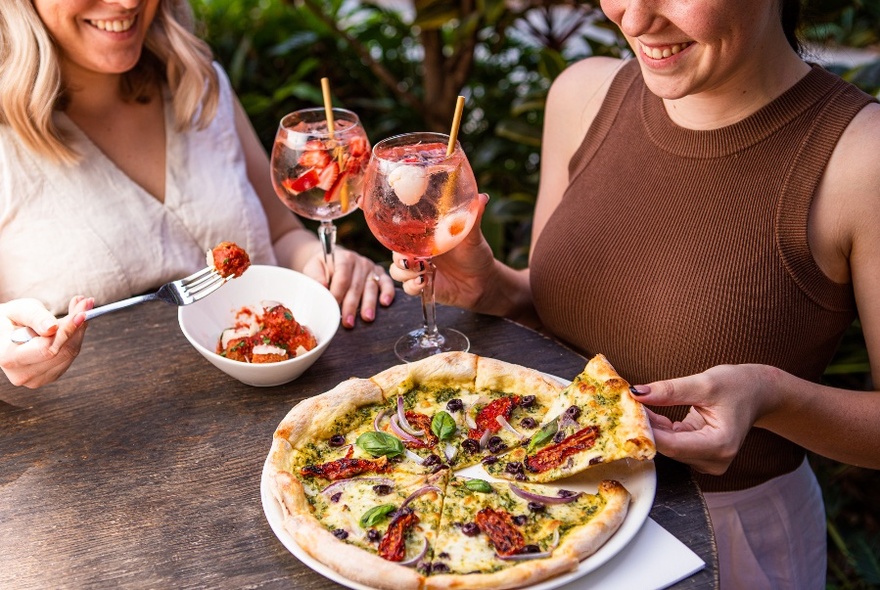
(31,87)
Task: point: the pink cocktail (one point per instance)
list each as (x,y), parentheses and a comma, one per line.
(421,202)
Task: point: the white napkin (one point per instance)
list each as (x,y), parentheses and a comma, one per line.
(654,559)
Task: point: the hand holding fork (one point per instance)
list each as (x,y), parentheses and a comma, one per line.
(181,292)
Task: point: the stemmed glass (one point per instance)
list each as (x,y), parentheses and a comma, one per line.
(318,167)
(420,199)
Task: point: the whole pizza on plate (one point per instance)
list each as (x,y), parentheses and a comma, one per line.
(370,480)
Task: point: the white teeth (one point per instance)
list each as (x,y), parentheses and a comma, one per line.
(668,51)
(114,26)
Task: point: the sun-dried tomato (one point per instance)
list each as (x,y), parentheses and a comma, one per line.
(487,417)
(498,526)
(553,456)
(420,422)
(344,468)
(393,544)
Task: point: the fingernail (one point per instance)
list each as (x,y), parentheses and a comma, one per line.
(640,389)
(79,319)
(385,300)
(405,264)
(420,266)
(47,325)
(420,280)
(369,315)
(349,321)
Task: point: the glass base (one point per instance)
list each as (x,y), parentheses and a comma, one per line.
(417,345)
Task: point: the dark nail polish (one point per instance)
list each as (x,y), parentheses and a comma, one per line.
(405,264)
(640,389)
(421,266)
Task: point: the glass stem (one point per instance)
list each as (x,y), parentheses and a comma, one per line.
(429,306)
(327,235)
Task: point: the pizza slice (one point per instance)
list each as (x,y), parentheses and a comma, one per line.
(507,535)
(376,530)
(594,420)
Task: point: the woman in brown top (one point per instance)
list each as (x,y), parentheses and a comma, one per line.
(709,219)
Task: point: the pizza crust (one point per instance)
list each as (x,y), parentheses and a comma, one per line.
(521,574)
(586,540)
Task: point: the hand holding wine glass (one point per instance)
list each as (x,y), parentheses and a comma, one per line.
(420,199)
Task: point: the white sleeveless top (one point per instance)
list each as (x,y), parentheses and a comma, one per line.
(90,230)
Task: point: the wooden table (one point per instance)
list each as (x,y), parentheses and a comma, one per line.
(140,468)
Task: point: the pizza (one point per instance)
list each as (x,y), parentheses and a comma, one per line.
(372,476)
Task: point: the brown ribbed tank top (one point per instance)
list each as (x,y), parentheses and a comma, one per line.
(675,250)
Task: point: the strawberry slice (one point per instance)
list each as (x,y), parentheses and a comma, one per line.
(304,182)
(327,176)
(334,191)
(315,159)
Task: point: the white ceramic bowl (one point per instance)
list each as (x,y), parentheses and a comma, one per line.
(311,303)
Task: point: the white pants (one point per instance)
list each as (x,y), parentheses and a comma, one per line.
(772,536)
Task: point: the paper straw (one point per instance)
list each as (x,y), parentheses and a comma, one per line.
(328,105)
(456,121)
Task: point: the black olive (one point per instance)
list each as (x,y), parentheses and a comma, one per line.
(430,460)
(514,467)
(340,533)
(530,549)
(527,401)
(559,436)
(520,477)
(567,493)
(536,507)
(439,566)
(455,405)
(520,519)
(528,422)
(488,460)
(573,412)
(443,555)
(470,445)
(373,535)
(470,529)
(382,489)
(335,497)
(337,440)
(495,444)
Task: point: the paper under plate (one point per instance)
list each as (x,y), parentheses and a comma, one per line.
(639,477)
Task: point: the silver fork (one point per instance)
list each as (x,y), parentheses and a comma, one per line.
(181,292)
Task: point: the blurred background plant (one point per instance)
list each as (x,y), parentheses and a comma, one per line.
(400,64)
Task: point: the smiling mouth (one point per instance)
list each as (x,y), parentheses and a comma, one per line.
(664,51)
(113,26)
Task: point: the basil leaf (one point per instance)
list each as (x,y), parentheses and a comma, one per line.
(443,425)
(374,515)
(543,435)
(380,443)
(478,485)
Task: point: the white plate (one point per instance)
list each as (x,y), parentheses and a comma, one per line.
(639,477)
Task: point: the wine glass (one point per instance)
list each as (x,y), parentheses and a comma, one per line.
(420,199)
(318,168)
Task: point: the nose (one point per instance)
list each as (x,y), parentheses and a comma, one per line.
(637,17)
(127,4)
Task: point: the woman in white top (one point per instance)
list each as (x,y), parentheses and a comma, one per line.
(124,156)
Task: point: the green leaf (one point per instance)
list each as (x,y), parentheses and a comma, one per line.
(478,485)
(443,425)
(380,443)
(543,435)
(376,514)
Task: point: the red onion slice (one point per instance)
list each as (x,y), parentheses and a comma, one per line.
(422,490)
(342,482)
(484,440)
(417,558)
(403,422)
(396,429)
(533,497)
(413,457)
(506,425)
(378,419)
(524,556)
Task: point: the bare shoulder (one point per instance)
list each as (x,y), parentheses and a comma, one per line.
(584,83)
(853,173)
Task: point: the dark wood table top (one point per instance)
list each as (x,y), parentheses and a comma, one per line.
(140,468)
